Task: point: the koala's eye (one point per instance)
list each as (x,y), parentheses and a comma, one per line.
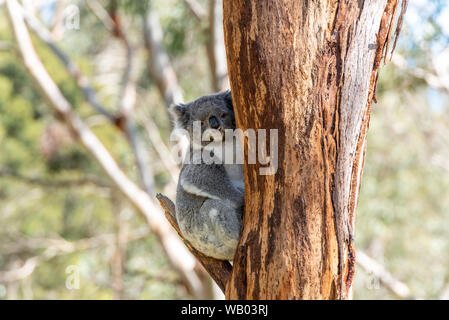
(213,122)
(223,115)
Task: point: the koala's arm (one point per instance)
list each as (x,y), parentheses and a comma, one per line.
(210,181)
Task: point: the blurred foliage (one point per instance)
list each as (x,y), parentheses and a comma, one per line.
(403,209)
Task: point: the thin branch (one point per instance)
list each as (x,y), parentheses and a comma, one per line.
(215,46)
(141,155)
(82,81)
(159,63)
(219,270)
(127,106)
(21,273)
(160,147)
(54,183)
(101,14)
(197,10)
(57,28)
(128,92)
(397,287)
(58,246)
(176,252)
(55,247)
(432,78)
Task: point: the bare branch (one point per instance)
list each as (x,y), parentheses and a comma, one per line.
(101,14)
(57,27)
(141,155)
(128,92)
(21,273)
(59,246)
(176,252)
(160,147)
(127,104)
(215,46)
(54,183)
(55,247)
(159,63)
(197,10)
(397,287)
(432,78)
(72,68)
(219,270)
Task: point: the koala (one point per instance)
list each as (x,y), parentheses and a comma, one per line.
(209,196)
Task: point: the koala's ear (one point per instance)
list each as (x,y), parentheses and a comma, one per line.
(227,97)
(179,113)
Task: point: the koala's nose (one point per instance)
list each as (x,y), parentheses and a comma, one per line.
(214,123)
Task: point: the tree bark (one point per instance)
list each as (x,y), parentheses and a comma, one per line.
(308,69)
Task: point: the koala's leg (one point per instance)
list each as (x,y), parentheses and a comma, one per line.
(226,223)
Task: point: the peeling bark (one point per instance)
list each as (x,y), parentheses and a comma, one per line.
(308,69)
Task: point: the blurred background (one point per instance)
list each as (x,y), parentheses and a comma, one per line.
(68,232)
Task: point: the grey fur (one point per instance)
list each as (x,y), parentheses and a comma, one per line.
(209,197)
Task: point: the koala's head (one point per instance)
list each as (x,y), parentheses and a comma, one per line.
(213,111)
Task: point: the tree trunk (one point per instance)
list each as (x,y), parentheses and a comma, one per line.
(308,69)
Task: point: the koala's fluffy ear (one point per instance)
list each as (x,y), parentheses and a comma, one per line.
(179,113)
(227,97)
